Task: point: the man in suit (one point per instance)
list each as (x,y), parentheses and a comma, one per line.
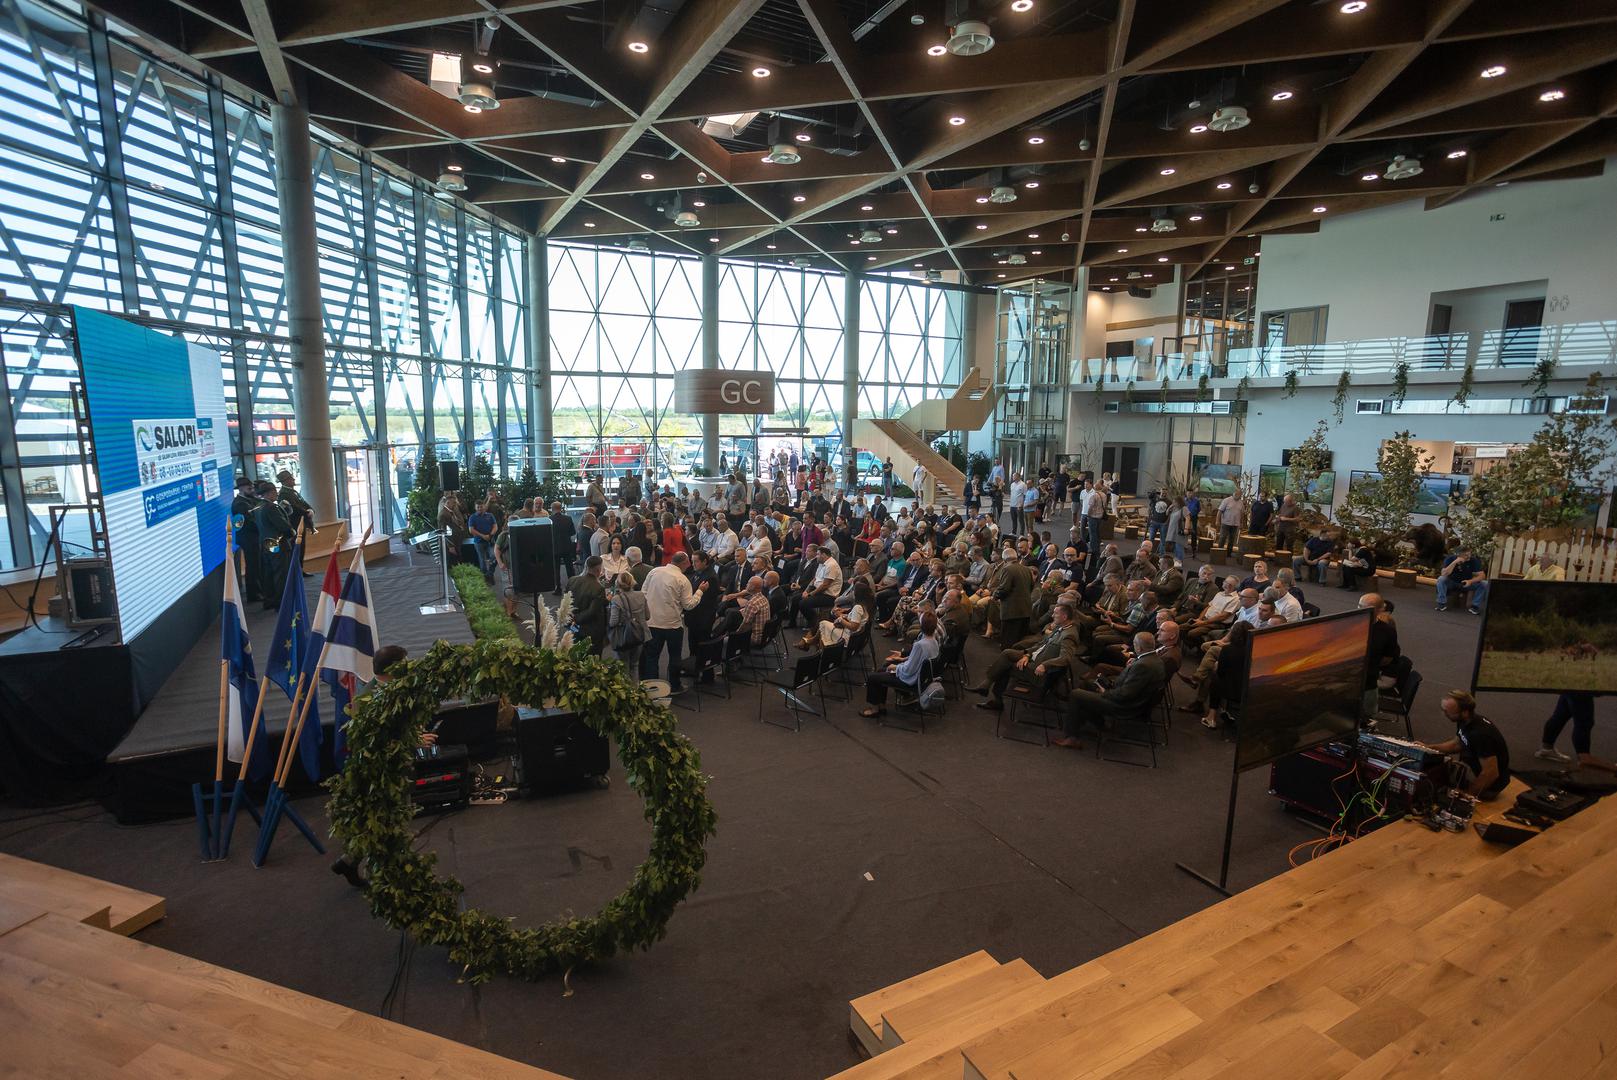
(1134,694)
(1015,596)
(953,616)
(1035,660)
(1169,583)
(589,604)
(699,619)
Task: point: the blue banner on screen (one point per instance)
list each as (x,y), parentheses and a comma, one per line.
(157,413)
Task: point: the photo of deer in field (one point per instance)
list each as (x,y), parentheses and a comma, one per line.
(1548,637)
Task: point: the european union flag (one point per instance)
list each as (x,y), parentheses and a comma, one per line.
(288,653)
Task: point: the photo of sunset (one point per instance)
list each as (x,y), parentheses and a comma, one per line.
(1304,686)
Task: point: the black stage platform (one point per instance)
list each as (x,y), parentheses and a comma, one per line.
(172,744)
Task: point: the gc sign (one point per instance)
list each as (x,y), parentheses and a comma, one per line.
(708,391)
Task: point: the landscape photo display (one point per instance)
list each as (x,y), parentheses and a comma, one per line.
(1304,687)
(1549,637)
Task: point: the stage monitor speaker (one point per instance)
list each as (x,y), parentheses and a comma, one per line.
(473,725)
(533,557)
(556,750)
(448,476)
(89,592)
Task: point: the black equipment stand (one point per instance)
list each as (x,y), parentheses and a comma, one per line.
(1222,884)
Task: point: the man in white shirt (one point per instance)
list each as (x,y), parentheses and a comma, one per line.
(1231,515)
(724,542)
(759,543)
(996,475)
(1286,605)
(820,593)
(1018,497)
(668,596)
(601,538)
(1094,513)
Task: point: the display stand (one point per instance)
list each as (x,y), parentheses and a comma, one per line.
(447,601)
(1222,884)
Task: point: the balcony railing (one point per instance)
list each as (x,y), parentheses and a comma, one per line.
(1525,347)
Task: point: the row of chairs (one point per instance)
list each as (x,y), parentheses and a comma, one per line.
(1048,703)
(848,663)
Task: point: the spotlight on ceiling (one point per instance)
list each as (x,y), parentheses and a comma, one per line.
(453,168)
(452,181)
(1169,171)
(639,47)
(1197,129)
(1021,5)
(1065,237)
(783,154)
(1370,176)
(1141,228)
(1281,95)
(1122,251)
(799,198)
(982,200)
(483,64)
(1552,95)
(870,236)
(1223,185)
(1492,71)
(1002,194)
(698,203)
(1195,217)
(480,95)
(956,121)
(981,227)
(1016,258)
(866,207)
(1162,258)
(1456,154)
(891,230)
(761,72)
(559,160)
(936,50)
(970,37)
(1229,118)
(687,219)
(1353,7)
(1319,209)
(803,136)
(648,176)
(1031,185)
(1035,140)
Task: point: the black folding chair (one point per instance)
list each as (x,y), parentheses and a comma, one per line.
(952,665)
(794,685)
(737,647)
(909,700)
(1043,697)
(706,656)
(1400,704)
(1138,731)
(834,661)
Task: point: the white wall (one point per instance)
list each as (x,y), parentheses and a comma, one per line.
(1484,309)
(1376,270)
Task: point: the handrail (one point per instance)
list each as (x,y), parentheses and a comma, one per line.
(1522,347)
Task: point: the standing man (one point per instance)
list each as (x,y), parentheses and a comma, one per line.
(300,509)
(1287,519)
(564,543)
(1095,513)
(668,597)
(1015,596)
(1231,512)
(1018,496)
(887,477)
(589,604)
(482,526)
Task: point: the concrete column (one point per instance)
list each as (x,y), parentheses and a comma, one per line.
(850,369)
(710,356)
(541,433)
(311,393)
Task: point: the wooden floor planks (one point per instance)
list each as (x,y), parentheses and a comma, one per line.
(1406,954)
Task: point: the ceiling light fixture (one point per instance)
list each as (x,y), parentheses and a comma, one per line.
(980,227)
(1492,71)
(1169,171)
(1370,176)
(1223,185)
(1035,140)
(866,207)
(982,199)
(1035,251)
(1122,251)
(1195,217)
(783,154)
(452,181)
(800,198)
(1280,95)
(483,65)
(1197,129)
(559,160)
(1552,95)
(1021,5)
(1032,236)
(1456,154)
(1319,209)
(713,239)
(970,37)
(589,224)
(1229,268)
(1162,258)
(803,136)
(639,47)
(1353,7)
(1001,195)
(1141,228)
(769,247)
(936,50)
(1031,185)
(698,203)
(473,108)
(454,168)
(761,72)
(956,121)
(647,176)
(870,258)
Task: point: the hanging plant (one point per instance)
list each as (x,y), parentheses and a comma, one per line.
(371,809)
(1462,393)
(1128,393)
(1291,382)
(1400,382)
(1202,391)
(1339,399)
(1100,386)
(1242,387)
(1543,372)
(1162,392)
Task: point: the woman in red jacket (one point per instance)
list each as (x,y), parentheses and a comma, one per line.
(673,541)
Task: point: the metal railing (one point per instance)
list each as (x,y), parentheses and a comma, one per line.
(1524,347)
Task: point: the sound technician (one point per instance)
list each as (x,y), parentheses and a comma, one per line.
(1479,745)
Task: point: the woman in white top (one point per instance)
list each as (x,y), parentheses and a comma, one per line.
(844,626)
(613,560)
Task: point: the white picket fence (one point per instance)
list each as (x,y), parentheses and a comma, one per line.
(1587,554)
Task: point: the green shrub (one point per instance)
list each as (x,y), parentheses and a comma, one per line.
(484,611)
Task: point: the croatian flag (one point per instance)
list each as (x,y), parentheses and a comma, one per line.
(319,624)
(237,651)
(353,643)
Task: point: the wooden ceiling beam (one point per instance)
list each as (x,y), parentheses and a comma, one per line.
(1303,32)
(1506,18)
(1504,152)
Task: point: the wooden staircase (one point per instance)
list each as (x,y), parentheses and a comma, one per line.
(908,438)
(78,1001)
(1405,953)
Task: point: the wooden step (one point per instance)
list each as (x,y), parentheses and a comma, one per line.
(944,1006)
(864,1013)
(77,897)
(79,1002)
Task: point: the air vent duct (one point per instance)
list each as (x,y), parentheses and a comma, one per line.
(478,96)
(1002,194)
(783,154)
(452,181)
(970,38)
(1402,168)
(1164,224)
(1229,118)
(687,219)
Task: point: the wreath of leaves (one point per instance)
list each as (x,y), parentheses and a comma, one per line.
(371,810)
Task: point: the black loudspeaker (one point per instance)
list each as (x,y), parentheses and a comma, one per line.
(557,751)
(533,557)
(448,476)
(473,725)
(89,592)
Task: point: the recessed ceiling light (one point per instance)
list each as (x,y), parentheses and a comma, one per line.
(956,121)
(698,203)
(800,198)
(559,160)
(936,50)
(647,176)
(1107,288)
(1453,154)
(866,207)
(1229,268)
(473,108)
(1162,258)
(1035,251)
(1223,185)
(1353,7)
(1280,95)
(1031,184)
(483,67)
(855,243)
(1122,251)
(589,224)
(639,47)
(1169,171)
(870,258)
(770,247)
(1370,176)
(1503,183)
(761,72)
(1035,140)
(982,226)
(713,239)
(454,168)
(1148,273)
(982,198)
(891,230)
(1552,95)
(1001,275)
(1197,129)
(1032,236)
(1492,71)
(1195,217)
(1319,209)
(1021,5)
(1141,228)
(803,136)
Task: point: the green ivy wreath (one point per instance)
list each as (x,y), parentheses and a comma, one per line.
(371,810)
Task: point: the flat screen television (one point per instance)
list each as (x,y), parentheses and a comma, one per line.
(1304,686)
(1432,498)
(1548,637)
(1276,480)
(1220,479)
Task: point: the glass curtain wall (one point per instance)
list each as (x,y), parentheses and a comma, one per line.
(135,187)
